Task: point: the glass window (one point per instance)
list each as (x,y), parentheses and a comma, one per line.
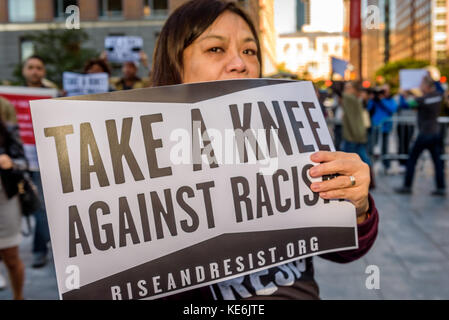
(441,3)
(60,6)
(26,49)
(110,8)
(155,8)
(21,10)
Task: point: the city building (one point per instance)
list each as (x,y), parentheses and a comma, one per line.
(413,29)
(102,18)
(319,36)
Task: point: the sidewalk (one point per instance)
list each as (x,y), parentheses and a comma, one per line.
(411,251)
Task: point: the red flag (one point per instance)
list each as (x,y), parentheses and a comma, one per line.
(355,23)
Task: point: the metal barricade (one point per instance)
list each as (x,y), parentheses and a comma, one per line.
(404,131)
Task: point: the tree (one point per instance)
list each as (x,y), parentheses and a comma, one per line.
(61,50)
(390,71)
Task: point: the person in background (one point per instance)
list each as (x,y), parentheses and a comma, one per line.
(7,111)
(208,40)
(12,164)
(33,72)
(382,107)
(98,66)
(129,79)
(354,129)
(429,107)
(8,114)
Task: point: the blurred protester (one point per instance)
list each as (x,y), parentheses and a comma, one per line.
(382,107)
(33,72)
(354,129)
(429,106)
(8,114)
(98,66)
(129,79)
(12,164)
(7,111)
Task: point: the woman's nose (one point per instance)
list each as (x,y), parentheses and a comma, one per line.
(236,64)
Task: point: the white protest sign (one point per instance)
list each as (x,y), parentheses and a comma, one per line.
(411,78)
(79,84)
(156,191)
(123,48)
(20,98)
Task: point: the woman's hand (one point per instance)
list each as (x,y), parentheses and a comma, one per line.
(5,162)
(346,165)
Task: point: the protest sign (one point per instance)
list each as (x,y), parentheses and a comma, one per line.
(411,78)
(20,97)
(76,84)
(123,48)
(155,191)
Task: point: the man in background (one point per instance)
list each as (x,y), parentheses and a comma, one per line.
(429,107)
(33,72)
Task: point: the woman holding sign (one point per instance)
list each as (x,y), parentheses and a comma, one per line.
(11,157)
(207,40)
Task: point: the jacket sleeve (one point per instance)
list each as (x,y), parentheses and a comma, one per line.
(367,234)
(15,148)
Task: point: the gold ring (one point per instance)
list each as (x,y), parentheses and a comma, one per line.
(352,180)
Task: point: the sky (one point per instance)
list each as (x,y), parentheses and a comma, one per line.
(326,15)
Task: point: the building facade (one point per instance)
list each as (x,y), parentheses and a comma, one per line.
(413,30)
(102,18)
(308,51)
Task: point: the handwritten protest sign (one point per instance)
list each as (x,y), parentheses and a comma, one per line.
(123,48)
(76,84)
(20,98)
(155,191)
(411,78)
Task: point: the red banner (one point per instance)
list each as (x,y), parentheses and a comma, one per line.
(22,105)
(20,97)
(355,20)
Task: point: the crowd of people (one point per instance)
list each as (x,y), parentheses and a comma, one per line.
(366,115)
(378,125)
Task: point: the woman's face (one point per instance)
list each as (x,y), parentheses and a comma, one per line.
(226,50)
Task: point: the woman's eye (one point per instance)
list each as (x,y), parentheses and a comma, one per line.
(216,49)
(250,52)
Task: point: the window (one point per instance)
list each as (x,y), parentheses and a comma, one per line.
(26,49)
(299,47)
(441,3)
(286,47)
(441,28)
(110,8)
(21,10)
(155,8)
(325,47)
(441,16)
(60,6)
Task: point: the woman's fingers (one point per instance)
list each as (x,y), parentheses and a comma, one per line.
(341,187)
(340,182)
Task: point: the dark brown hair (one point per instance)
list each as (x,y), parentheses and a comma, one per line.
(99,62)
(181,29)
